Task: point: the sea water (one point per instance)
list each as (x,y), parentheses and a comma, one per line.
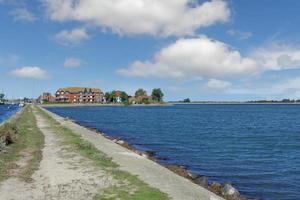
(255,147)
(6,111)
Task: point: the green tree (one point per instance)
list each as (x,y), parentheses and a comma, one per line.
(157,95)
(124,97)
(186,100)
(108,97)
(140,92)
(145,101)
(113,96)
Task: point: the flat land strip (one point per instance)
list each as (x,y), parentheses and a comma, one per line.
(66,167)
(153,174)
(54,158)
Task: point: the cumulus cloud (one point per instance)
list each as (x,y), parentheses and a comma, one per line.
(201,56)
(278,56)
(73,62)
(217,85)
(74,36)
(22,14)
(155,17)
(30,72)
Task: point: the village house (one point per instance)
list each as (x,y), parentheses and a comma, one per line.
(79,95)
(46,97)
(118,97)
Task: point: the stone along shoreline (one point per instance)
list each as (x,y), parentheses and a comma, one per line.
(53,179)
(226,190)
(152,173)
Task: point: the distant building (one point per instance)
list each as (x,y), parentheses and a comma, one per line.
(79,95)
(46,97)
(1,98)
(118,97)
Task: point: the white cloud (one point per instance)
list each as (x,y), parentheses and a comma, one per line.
(73,62)
(217,85)
(22,14)
(201,56)
(242,35)
(278,56)
(74,36)
(208,58)
(30,72)
(155,17)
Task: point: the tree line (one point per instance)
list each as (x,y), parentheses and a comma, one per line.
(140,97)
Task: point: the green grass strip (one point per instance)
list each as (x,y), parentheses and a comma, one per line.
(132,189)
(29,142)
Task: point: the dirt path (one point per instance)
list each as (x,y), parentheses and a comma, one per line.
(63,174)
(177,187)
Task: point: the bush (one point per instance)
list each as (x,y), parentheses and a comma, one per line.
(8,134)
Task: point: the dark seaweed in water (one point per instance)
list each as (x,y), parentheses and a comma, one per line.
(256,147)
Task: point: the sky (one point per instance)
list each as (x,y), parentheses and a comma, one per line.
(198,49)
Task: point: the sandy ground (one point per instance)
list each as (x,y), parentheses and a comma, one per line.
(63,174)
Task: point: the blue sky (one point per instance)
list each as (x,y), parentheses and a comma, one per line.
(204,50)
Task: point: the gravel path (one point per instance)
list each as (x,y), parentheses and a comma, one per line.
(148,171)
(63,174)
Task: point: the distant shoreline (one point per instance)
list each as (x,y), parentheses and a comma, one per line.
(233,103)
(167,104)
(96,104)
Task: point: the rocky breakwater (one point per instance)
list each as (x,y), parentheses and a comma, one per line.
(226,190)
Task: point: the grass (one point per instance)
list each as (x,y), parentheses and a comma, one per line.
(28,142)
(132,188)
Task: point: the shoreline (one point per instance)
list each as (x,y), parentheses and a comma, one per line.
(102,105)
(180,170)
(201,180)
(140,164)
(159,105)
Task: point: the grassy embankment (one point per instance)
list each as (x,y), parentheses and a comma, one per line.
(131,188)
(20,139)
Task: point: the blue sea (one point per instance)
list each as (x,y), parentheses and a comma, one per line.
(6,111)
(255,147)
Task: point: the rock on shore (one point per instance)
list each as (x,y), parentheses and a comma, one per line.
(229,192)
